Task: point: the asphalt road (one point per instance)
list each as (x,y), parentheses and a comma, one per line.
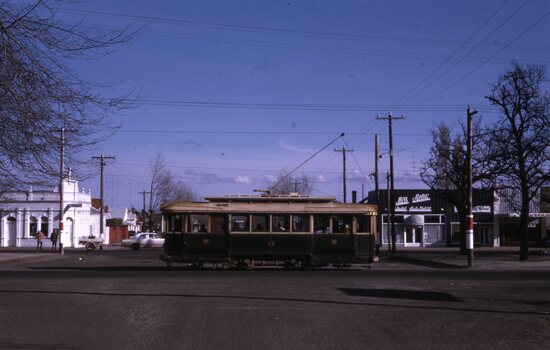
(125,299)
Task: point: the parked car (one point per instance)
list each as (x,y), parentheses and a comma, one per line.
(143,239)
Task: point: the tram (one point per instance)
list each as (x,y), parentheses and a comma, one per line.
(293,230)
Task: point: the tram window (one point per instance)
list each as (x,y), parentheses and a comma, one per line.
(321,223)
(198,223)
(175,222)
(260,223)
(342,223)
(239,223)
(300,223)
(280,223)
(363,223)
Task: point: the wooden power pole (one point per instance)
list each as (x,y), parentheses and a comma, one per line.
(344,150)
(389,118)
(101,204)
(470,231)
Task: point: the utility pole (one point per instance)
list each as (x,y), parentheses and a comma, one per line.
(143,211)
(101,204)
(470,232)
(390,243)
(376,185)
(344,150)
(61,189)
(389,118)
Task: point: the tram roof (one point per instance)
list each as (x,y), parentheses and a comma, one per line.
(270,204)
(269,198)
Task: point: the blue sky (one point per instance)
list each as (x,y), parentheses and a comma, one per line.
(234,92)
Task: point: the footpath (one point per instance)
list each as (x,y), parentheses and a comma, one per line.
(491,258)
(506,258)
(27,254)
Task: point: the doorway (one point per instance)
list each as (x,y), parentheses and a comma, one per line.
(414,236)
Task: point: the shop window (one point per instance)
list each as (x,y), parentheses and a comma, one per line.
(300,223)
(260,223)
(431,219)
(280,223)
(198,223)
(239,223)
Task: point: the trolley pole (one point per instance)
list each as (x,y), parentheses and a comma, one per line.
(101,204)
(344,150)
(389,118)
(143,211)
(470,231)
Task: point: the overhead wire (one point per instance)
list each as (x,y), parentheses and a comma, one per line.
(464,43)
(517,37)
(468,53)
(285,31)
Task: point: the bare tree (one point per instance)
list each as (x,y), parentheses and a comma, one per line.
(446,173)
(40,93)
(521,137)
(285,184)
(165,187)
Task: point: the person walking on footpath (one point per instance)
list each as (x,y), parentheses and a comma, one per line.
(39,239)
(53,237)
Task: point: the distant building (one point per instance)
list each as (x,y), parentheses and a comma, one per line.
(507,218)
(423,218)
(23,213)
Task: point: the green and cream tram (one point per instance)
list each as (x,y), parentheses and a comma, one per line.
(296,230)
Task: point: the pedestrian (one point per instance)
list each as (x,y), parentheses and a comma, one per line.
(53,237)
(39,239)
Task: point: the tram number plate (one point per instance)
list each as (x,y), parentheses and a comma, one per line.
(334,241)
(206,241)
(271,244)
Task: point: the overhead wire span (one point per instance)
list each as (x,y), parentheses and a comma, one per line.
(304,162)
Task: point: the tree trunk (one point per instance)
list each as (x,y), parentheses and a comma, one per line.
(524,229)
(463,225)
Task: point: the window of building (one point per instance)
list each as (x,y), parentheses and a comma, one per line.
(44,227)
(260,223)
(198,223)
(431,219)
(33,226)
(239,223)
(300,223)
(321,223)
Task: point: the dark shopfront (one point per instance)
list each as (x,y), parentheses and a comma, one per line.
(423,218)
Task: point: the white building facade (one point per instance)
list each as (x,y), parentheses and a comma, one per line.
(23,213)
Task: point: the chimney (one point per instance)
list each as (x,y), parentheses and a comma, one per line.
(354,196)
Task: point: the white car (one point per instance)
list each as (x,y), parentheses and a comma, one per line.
(143,239)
